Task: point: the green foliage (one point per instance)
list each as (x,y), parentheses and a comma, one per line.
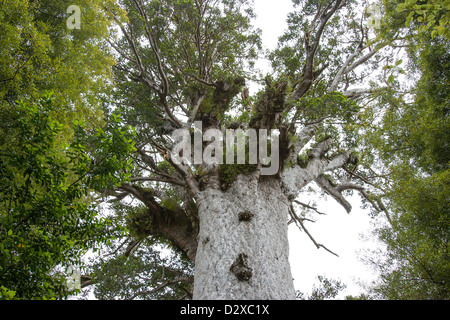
(432,16)
(327,289)
(49,169)
(362,296)
(229,172)
(290,56)
(411,140)
(46,220)
(40,53)
(149,273)
(139,222)
(6,294)
(198,40)
(302,160)
(418,241)
(332,105)
(107,151)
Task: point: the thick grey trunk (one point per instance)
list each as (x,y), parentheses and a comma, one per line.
(243,250)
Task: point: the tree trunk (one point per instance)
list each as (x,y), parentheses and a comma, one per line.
(243,250)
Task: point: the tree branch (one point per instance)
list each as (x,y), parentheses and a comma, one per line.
(309,207)
(376,203)
(302,138)
(299,222)
(181,169)
(335,192)
(159,179)
(296,177)
(308,74)
(161,287)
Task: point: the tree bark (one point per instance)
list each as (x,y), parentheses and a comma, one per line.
(243,249)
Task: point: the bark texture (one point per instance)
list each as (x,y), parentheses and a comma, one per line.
(243,249)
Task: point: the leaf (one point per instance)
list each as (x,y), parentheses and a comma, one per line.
(400,7)
(391,79)
(409,19)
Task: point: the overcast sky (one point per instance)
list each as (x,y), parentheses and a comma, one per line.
(340,232)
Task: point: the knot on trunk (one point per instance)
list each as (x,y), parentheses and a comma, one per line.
(241,269)
(245,216)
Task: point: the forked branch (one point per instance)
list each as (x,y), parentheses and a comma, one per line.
(300,223)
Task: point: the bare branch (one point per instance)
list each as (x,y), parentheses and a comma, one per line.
(299,222)
(118,248)
(86,280)
(183,170)
(134,244)
(376,203)
(309,207)
(343,70)
(195,111)
(363,59)
(338,161)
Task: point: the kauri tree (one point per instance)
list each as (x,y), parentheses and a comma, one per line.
(185,62)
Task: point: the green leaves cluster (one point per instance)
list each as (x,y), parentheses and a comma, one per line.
(40,53)
(327,289)
(211,41)
(331,105)
(150,273)
(432,16)
(46,217)
(102,155)
(411,139)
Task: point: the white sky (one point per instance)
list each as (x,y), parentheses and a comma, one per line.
(338,231)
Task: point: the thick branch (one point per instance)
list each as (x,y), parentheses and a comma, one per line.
(338,161)
(343,70)
(183,170)
(172,222)
(335,192)
(296,177)
(362,60)
(376,203)
(311,50)
(302,139)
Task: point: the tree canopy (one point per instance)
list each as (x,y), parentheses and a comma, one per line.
(53,86)
(412,142)
(40,53)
